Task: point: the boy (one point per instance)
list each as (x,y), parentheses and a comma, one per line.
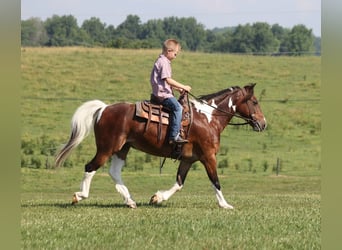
(163,84)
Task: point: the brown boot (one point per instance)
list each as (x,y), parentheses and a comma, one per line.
(178,140)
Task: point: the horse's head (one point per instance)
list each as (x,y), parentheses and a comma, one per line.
(248,108)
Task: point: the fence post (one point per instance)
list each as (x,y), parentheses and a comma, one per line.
(278,166)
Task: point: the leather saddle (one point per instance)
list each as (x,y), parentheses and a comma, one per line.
(153,111)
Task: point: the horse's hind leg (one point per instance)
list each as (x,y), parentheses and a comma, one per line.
(90,171)
(115,173)
(118,161)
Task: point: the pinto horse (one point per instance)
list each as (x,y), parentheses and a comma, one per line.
(116,130)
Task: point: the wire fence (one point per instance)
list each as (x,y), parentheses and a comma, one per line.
(71,99)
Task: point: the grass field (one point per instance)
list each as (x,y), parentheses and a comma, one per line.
(271,212)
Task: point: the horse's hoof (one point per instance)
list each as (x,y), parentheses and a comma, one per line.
(133,206)
(74,200)
(227,206)
(154,200)
(131,203)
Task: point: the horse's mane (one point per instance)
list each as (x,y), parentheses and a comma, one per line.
(219,93)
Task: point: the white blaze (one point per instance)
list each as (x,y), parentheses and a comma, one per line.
(205,109)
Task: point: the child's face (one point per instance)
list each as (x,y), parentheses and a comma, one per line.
(172,53)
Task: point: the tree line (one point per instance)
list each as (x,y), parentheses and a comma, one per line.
(256,38)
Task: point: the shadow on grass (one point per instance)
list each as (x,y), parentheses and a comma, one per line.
(88,205)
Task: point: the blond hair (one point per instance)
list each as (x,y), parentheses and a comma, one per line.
(171,44)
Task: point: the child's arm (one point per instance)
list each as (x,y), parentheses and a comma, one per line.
(178,85)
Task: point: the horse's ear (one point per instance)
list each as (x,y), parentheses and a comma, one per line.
(249,90)
(250,87)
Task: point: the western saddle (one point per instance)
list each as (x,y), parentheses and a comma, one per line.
(153,111)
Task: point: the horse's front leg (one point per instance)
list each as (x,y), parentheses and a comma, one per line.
(161,196)
(210,166)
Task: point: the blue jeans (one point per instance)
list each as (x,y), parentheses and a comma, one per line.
(176,115)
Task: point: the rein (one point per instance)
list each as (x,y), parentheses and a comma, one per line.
(224,112)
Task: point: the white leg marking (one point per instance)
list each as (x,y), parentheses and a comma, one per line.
(165,195)
(115,169)
(222,202)
(85,186)
(115,173)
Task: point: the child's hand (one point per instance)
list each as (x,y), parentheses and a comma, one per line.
(187,88)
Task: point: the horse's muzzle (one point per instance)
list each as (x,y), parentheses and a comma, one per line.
(259,125)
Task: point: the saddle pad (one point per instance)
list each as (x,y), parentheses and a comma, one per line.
(155,113)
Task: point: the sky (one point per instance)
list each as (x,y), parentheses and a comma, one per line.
(210,13)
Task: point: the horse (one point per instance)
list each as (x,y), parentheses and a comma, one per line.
(116,130)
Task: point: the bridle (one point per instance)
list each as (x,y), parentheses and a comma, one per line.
(224,112)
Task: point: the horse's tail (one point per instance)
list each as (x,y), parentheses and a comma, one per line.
(81,124)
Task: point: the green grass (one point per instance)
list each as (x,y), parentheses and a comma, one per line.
(271,212)
(290,223)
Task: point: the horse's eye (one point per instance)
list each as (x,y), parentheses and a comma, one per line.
(255,102)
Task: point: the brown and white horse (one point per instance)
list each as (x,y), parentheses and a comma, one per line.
(116,130)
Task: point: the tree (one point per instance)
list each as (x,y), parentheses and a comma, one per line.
(242,41)
(187,30)
(33,32)
(153,30)
(263,38)
(257,38)
(300,40)
(130,28)
(192,33)
(222,41)
(281,35)
(278,31)
(62,31)
(110,34)
(170,26)
(96,30)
